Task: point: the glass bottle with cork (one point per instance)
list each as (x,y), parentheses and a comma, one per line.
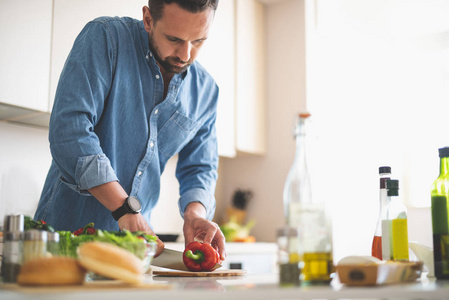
(308,215)
(397,223)
(440,217)
(376,249)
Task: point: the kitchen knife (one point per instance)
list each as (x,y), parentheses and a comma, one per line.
(172,259)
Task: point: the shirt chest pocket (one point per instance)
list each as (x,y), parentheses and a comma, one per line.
(175,134)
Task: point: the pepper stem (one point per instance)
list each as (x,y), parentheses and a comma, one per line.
(198,256)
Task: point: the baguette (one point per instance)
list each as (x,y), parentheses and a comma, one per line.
(111,261)
(51,271)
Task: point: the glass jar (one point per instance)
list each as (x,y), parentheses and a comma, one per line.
(12,256)
(288,256)
(35,244)
(53,243)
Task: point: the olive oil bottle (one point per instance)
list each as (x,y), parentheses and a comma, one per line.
(397,223)
(440,220)
(308,215)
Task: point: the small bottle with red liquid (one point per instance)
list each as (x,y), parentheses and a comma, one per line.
(384,173)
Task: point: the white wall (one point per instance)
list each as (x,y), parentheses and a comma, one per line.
(24,163)
(265,175)
(355,214)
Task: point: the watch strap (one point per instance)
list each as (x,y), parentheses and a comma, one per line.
(124,209)
(120,212)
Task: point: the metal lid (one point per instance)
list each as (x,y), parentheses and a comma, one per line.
(36,235)
(53,236)
(13,223)
(384,170)
(443,152)
(392,184)
(287,231)
(12,236)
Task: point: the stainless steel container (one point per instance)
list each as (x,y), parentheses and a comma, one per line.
(13,223)
(12,256)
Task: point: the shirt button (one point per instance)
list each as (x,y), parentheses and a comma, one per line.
(151,144)
(156,111)
(139,173)
(147,57)
(157,76)
(151,54)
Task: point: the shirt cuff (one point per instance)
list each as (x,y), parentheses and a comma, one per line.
(201,196)
(91,171)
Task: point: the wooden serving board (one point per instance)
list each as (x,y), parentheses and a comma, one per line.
(89,285)
(215,273)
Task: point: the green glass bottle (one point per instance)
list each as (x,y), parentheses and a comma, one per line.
(440,220)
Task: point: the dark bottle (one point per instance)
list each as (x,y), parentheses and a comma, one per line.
(440,221)
(376,249)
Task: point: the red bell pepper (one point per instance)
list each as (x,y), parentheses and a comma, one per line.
(200,257)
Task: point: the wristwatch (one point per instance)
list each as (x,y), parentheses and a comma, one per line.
(130,206)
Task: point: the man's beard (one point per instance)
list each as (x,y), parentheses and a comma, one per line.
(168,63)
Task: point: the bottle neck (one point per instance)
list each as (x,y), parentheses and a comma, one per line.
(300,136)
(444,166)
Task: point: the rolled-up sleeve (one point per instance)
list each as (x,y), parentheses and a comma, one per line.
(79,102)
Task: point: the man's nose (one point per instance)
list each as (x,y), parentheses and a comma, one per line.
(183,52)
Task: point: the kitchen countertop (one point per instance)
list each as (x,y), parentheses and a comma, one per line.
(250,286)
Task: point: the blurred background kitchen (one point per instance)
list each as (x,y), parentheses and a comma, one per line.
(374,74)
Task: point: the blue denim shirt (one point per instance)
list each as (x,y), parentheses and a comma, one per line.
(110,122)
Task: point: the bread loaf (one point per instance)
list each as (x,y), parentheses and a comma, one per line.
(111,261)
(51,271)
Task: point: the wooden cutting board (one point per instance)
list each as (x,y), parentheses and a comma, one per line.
(89,285)
(215,273)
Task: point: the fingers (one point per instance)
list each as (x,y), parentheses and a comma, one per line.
(219,240)
(160,247)
(212,235)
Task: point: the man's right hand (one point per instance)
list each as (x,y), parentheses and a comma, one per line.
(136,222)
(112,196)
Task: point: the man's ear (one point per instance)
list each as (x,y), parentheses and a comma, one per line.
(147,20)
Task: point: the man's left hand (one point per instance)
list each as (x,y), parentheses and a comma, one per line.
(197,227)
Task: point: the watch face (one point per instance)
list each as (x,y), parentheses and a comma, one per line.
(134,204)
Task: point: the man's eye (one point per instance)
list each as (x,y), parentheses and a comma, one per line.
(198,42)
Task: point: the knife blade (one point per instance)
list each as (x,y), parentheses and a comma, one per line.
(172,259)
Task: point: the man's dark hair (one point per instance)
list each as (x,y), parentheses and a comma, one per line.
(193,6)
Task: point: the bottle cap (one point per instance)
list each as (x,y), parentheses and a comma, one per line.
(53,237)
(36,235)
(14,223)
(392,184)
(287,232)
(443,152)
(304,115)
(384,170)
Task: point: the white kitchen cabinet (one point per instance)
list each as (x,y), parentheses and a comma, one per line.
(25,35)
(235,56)
(70,17)
(250,77)
(218,57)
